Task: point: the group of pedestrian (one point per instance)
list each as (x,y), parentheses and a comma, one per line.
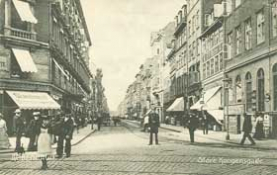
(192,123)
(41,131)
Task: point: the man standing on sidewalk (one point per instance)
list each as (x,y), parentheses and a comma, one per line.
(20,128)
(154,123)
(66,132)
(247,128)
(34,131)
(192,124)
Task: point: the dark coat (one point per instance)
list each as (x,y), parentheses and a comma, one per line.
(192,122)
(33,128)
(247,125)
(20,125)
(154,122)
(66,128)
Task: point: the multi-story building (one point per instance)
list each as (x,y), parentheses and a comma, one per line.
(160,44)
(43,56)
(252,62)
(194,31)
(212,62)
(177,59)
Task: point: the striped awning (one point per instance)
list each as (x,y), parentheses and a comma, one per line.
(33,100)
(177,106)
(24,11)
(25,60)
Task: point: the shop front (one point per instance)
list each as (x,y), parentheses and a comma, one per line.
(27,102)
(210,104)
(175,113)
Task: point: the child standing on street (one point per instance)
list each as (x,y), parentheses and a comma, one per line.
(44,141)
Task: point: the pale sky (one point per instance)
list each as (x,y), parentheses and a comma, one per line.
(120,33)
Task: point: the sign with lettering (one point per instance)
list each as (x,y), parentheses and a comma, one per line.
(235,109)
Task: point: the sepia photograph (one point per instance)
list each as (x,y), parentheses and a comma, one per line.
(138,87)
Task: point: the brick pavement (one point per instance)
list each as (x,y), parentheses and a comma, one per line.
(77,138)
(117,151)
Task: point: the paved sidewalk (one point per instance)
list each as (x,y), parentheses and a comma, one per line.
(182,133)
(77,138)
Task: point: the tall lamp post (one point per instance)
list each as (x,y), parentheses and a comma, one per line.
(227,82)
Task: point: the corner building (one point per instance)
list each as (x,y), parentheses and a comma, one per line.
(252,62)
(43,57)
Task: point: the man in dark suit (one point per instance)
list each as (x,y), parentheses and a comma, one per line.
(247,128)
(154,124)
(192,123)
(34,131)
(66,131)
(20,128)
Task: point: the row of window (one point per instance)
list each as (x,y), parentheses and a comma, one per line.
(213,66)
(65,81)
(194,50)
(260,92)
(212,40)
(238,91)
(69,51)
(194,24)
(245,35)
(181,39)
(178,85)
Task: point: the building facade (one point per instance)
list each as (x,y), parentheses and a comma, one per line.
(43,55)
(160,44)
(177,59)
(252,39)
(194,31)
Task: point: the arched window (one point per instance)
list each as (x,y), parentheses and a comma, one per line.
(260,90)
(238,89)
(248,91)
(274,73)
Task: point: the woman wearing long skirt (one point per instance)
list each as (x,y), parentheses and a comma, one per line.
(4,139)
(259,134)
(44,142)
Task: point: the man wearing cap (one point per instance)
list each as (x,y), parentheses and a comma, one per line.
(20,127)
(33,131)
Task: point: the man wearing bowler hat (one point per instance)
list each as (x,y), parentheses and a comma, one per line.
(34,131)
(154,124)
(247,128)
(20,128)
(66,131)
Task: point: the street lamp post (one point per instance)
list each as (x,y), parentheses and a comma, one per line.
(226,82)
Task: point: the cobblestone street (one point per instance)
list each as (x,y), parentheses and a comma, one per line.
(125,150)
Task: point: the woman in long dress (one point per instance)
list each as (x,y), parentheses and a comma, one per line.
(4,139)
(259,134)
(44,141)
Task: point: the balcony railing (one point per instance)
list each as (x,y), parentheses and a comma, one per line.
(20,33)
